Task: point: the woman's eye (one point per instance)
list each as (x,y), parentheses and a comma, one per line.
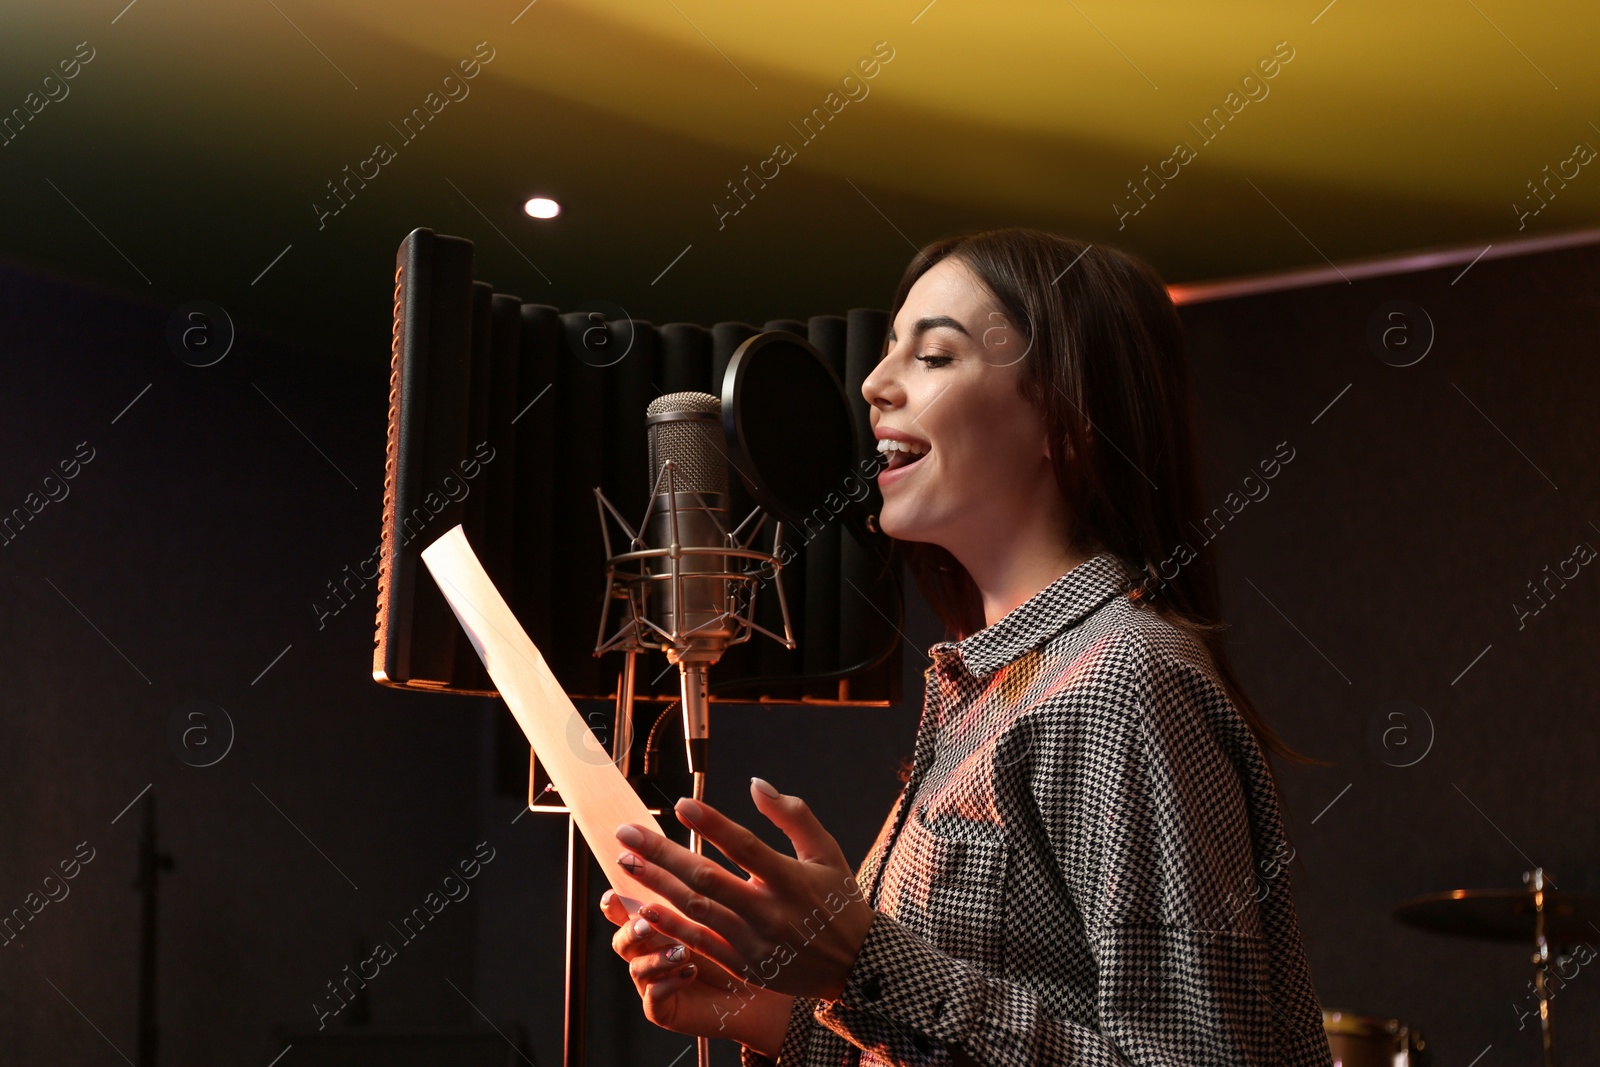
(935,360)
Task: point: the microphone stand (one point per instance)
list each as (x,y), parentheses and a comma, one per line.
(693,686)
(694,650)
(696,845)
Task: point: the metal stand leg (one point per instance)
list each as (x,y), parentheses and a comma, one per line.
(573,1050)
(702,1044)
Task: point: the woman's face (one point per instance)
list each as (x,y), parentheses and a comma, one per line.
(948,387)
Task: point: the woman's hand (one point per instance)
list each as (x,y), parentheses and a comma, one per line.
(688,994)
(794,926)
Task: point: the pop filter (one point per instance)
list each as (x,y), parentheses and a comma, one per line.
(790,433)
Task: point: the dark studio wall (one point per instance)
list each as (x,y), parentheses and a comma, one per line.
(182,564)
(1380,573)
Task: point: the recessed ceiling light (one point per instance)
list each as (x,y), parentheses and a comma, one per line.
(542,208)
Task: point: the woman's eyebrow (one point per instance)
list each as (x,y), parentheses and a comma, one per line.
(933,322)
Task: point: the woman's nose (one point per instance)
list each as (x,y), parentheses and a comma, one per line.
(879,388)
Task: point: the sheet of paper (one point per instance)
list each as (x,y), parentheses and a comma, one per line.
(578,765)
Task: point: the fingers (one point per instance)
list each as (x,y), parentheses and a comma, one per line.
(698,887)
(812,844)
(658,994)
(707,943)
(638,938)
(659,975)
(732,840)
(611,907)
(667,965)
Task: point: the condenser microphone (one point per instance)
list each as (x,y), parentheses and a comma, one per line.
(691,604)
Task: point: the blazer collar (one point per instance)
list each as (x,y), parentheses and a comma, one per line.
(1060,605)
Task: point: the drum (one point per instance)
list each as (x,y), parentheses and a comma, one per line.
(1370,1041)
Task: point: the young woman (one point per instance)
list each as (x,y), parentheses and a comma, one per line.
(1088,863)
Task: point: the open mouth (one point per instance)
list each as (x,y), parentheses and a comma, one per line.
(900,454)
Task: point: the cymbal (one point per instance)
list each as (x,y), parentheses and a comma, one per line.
(1504,914)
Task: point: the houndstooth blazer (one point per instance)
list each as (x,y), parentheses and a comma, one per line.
(1091,867)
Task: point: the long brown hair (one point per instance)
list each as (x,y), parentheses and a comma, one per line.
(1107,367)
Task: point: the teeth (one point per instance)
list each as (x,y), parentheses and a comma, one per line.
(890,445)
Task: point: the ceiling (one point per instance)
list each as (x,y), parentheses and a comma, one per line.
(190,157)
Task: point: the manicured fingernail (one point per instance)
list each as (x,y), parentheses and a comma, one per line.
(640,928)
(605,898)
(649,912)
(675,953)
(688,972)
(630,863)
(688,809)
(765,786)
(630,835)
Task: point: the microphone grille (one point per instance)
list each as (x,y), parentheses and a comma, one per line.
(689,403)
(687,429)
